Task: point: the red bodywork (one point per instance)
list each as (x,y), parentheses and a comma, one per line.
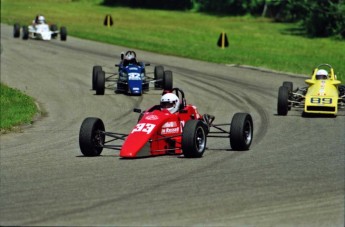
(158,132)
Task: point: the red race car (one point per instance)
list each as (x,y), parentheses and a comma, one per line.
(173,127)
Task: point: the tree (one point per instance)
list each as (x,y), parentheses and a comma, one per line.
(152,4)
(325,18)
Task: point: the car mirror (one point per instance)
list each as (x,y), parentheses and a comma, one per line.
(310,82)
(137,110)
(336,82)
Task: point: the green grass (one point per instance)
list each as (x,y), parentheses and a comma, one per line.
(253,41)
(16,108)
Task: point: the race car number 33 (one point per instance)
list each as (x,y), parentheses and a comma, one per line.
(144,127)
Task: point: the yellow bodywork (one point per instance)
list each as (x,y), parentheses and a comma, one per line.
(322,95)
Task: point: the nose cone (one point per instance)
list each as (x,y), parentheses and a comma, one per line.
(135,150)
(46,36)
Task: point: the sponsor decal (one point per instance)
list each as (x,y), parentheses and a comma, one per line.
(322,88)
(135,89)
(151,117)
(170,124)
(170,130)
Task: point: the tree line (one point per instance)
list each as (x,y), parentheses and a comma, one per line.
(317,18)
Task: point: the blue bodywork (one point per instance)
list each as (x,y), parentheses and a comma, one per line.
(132,79)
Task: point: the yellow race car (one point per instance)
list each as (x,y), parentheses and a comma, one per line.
(323,95)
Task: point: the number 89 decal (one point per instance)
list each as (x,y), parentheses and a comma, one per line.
(317,100)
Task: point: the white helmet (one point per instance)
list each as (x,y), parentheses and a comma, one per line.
(321,74)
(170,102)
(40,20)
(130,57)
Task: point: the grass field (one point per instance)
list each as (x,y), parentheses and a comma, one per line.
(16,108)
(253,41)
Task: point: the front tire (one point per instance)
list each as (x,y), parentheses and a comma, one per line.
(241,131)
(283,103)
(193,139)
(289,86)
(91,137)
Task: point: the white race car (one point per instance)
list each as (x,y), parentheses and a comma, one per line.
(40,31)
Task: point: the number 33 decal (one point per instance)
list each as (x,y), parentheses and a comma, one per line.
(144,127)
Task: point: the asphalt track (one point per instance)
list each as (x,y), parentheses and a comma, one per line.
(293,175)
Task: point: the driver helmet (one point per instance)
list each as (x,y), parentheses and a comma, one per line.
(40,20)
(170,102)
(321,74)
(130,57)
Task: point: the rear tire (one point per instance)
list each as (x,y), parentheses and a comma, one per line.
(16,30)
(54,28)
(158,75)
(63,33)
(289,85)
(283,103)
(91,137)
(193,139)
(241,131)
(25,33)
(100,83)
(95,71)
(167,80)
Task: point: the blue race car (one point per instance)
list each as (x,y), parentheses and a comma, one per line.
(131,77)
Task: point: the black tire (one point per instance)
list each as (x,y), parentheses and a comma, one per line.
(63,33)
(16,30)
(341,89)
(158,75)
(193,139)
(95,71)
(140,116)
(100,83)
(54,28)
(167,80)
(283,104)
(289,85)
(91,137)
(25,32)
(241,131)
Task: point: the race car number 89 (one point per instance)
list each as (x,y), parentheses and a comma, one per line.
(144,127)
(317,100)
